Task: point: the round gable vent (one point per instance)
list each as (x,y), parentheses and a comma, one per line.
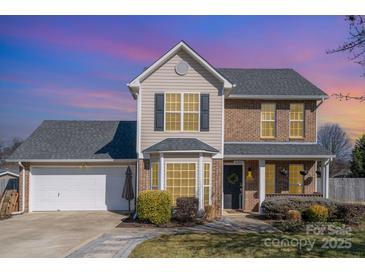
(182,68)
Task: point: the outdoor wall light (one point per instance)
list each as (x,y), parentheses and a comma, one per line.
(303,172)
(284,171)
(249,174)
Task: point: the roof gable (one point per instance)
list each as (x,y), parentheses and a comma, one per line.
(134,85)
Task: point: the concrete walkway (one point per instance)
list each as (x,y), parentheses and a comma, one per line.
(120,242)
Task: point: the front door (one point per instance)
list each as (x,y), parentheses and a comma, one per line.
(232,186)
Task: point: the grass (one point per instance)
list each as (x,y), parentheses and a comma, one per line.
(248,245)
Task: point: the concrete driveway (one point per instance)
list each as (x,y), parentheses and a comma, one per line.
(52,234)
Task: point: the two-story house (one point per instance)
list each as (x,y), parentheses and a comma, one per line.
(230,137)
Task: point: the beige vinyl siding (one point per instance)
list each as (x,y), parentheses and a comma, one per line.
(165,79)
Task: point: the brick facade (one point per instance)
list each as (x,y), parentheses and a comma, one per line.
(217,186)
(26,170)
(242,121)
(251,191)
(144,175)
(251,195)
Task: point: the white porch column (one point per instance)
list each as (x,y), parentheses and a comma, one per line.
(325,178)
(162,172)
(261,182)
(200,182)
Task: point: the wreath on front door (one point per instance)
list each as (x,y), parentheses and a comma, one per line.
(232,178)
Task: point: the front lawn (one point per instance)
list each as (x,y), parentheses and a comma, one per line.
(247,245)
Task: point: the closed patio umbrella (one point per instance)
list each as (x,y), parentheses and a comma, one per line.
(128,192)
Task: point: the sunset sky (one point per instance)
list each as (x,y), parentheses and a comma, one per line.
(77,67)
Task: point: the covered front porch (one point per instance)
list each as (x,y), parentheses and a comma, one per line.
(252,175)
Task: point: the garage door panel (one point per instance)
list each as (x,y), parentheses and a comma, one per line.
(77,189)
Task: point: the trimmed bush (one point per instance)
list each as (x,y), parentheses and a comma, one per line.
(294,215)
(277,207)
(316,213)
(186,209)
(154,206)
(350,213)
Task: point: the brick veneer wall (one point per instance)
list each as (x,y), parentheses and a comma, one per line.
(242,120)
(251,198)
(144,175)
(217,186)
(25,170)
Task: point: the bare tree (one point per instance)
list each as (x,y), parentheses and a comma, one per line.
(7,150)
(333,138)
(355,47)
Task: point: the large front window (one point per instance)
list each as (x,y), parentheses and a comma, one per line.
(206,183)
(182,112)
(154,175)
(268,120)
(296,120)
(270,175)
(181,180)
(295,179)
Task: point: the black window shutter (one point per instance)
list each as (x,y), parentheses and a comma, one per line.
(159,111)
(204,112)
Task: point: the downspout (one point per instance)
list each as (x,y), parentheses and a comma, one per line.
(23,192)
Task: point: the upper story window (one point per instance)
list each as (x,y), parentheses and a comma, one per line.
(268,120)
(182,112)
(296,122)
(173,112)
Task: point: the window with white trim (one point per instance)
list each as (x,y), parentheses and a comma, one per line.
(206,179)
(154,175)
(296,120)
(295,179)
(182,112)
(270,176)
(268,120)
(181,180)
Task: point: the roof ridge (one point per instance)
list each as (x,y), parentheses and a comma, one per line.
(89,121)
(258,68)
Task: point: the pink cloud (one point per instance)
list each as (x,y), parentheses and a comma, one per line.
(82,42)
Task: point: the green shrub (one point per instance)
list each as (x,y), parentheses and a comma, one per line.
(186,209)
(350,213)
(294,215)
(277,207)
(154,206)
(316,213)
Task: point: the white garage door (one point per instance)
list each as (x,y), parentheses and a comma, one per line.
(90,188)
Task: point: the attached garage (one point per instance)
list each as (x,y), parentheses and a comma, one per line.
(76,165)
(77,188)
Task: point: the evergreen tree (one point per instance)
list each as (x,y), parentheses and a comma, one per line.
(358,158)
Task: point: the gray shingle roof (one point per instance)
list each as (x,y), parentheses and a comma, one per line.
(180,144)
(255,149)
(268,82)
(63,140)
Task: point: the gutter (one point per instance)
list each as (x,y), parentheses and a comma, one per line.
(76,160)
(278,97)
(23,192)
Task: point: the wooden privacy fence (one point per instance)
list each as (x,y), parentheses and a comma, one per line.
(347,189)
